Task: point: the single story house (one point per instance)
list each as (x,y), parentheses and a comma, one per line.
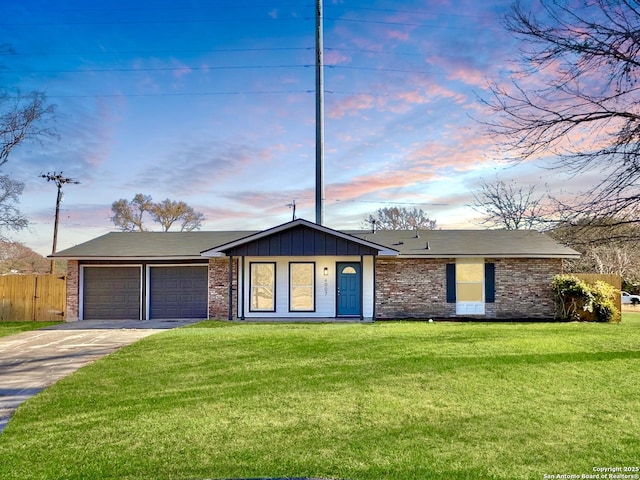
(303,270)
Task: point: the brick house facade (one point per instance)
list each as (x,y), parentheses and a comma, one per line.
(301,270)
(415,288)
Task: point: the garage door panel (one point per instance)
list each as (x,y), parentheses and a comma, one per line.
(111,293)
(178,292)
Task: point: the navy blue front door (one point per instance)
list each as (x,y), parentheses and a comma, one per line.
(349,290)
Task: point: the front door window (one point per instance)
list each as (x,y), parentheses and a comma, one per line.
(349,289)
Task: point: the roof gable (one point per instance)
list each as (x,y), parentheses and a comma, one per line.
(299,238)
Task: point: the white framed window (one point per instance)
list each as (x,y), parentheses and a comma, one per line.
(262,281)
(302,277)
(470,280)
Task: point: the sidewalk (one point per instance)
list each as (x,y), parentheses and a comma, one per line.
(32,361)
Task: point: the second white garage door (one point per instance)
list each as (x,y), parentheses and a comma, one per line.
(178,292)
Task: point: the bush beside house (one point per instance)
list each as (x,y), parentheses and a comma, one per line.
(577,300)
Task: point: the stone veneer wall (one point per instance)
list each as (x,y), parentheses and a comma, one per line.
(73,291)
(416,288)
(219,288)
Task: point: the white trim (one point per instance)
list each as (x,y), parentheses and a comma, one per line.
(471,308)
(81,285)
(325,287)
(147,283)
(136,259)
(487,255)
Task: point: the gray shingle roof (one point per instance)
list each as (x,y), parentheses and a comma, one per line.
(471,243)
(150,244)
(442,244)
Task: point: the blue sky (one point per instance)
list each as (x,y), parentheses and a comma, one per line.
(212,102)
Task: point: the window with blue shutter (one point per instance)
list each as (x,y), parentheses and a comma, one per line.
(489,282)
(451,283)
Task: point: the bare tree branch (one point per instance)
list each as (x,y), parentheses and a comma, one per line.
(577,97)
(23,118)
(10,216)
(506,206)
(167,212)
(129,215)
(394,218)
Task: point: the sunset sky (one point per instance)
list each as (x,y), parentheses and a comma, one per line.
(212,102)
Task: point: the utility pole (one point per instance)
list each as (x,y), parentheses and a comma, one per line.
(292,205)
(59,180)
(319,117)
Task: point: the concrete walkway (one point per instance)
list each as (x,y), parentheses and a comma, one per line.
(32,361)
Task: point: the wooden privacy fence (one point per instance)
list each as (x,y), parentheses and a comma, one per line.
(32,297)
(610,278)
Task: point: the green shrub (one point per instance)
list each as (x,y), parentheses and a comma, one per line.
(604,302)
(576,300)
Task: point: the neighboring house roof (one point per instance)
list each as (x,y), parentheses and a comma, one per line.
(427,244)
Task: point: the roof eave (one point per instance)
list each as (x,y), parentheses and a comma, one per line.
(121,258)
(487,255)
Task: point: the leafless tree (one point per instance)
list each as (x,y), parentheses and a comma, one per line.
(167,212)
(11,218)
(577,98)
(607,246)
(505,205)
(18,258)
(22,117)
(129,216)
(395,218)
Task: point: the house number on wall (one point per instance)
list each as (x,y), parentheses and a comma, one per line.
(326,287)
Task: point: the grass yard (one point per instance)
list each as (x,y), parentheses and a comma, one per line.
(11,328)
(397,400)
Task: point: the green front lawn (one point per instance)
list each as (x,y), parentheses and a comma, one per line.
(11,328)
(396,400)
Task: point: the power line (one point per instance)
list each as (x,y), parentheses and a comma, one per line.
(414,12)
(186,94)
(149,22)
(164,69)
(156,52)
(218,67)
(403,24)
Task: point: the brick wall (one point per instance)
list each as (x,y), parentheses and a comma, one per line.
(523,287)
(73,291)
(416,288)
(410,288)
(219,288)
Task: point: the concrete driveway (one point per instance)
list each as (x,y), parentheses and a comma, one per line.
(31,361)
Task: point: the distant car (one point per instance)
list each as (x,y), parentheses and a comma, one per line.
(629,298)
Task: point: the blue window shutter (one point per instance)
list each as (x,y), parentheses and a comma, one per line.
(489,282)
(451,283)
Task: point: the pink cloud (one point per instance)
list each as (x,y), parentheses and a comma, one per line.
(334,57)
(398,35)
(351,105)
